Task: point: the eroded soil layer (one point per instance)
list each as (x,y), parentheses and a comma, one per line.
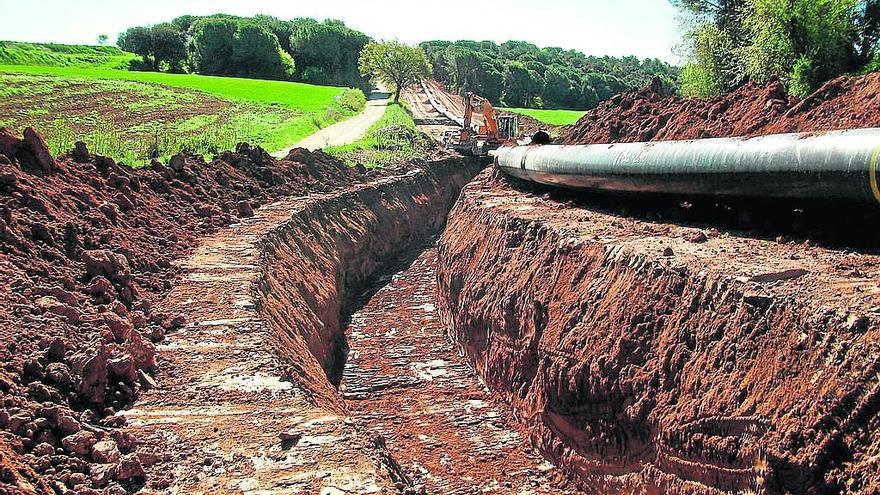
(405,381)
(655,356)
(243,400)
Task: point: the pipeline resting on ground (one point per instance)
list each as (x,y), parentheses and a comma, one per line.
(839,165)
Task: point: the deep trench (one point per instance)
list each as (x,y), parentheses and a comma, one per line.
(361,296)
(378,337)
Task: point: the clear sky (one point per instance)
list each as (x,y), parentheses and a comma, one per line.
(645,28)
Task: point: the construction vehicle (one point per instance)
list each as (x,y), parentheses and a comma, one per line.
(479,139)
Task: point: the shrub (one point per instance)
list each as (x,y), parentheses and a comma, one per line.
(352,99)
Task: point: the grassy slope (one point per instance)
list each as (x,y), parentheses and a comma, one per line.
(551,117)
(53,54)
(297,96)
(391,139)
(271,114)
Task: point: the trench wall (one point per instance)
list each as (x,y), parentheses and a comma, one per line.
(318,261)
(634,373)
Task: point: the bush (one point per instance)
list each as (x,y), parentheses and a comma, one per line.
(697,82)
(803,42)
(352,99)
(256,53)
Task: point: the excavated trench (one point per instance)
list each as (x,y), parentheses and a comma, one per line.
(634,355)
(348,292)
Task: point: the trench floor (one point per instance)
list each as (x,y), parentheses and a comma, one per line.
(404,380)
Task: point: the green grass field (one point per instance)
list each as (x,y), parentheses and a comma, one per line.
(550,117)
(391,139)
(297,96)
(135,116)
(53,54)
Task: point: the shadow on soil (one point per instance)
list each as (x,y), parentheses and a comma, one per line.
(834,225)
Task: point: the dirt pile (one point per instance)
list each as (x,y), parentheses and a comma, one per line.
(86,246)
(646,356)
(650,115)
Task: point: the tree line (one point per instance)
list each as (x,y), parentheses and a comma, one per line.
(802,42)
(519,74)
(261,47)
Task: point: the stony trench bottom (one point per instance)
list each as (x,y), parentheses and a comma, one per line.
(404,380)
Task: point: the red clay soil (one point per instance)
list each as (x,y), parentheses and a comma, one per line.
(652,357)
(243,401)
(405,381)
(649,115)
(86,247)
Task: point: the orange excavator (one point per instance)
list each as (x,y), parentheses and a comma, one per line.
(478,139)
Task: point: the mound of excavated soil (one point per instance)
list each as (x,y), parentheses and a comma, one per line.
(650,115)
(86,245)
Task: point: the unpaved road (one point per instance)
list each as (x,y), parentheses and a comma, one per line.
(425,116)
(347,131)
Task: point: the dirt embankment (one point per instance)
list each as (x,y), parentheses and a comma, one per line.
(651,356)
(86,248)
(316,263)
(650,115)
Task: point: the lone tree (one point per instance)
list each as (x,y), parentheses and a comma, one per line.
(394,64)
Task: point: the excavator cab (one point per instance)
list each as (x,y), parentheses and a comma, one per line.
(508,127)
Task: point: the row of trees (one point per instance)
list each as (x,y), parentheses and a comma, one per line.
(262,47)
(803,42)
(519,74)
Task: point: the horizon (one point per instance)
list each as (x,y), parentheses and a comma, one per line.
(650,30)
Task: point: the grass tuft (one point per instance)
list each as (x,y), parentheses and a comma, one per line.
(391,139)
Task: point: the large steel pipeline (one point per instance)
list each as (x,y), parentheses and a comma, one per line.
(439,107)
(839,165)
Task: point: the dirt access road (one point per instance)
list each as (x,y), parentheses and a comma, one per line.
(212,424)
(347,131)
